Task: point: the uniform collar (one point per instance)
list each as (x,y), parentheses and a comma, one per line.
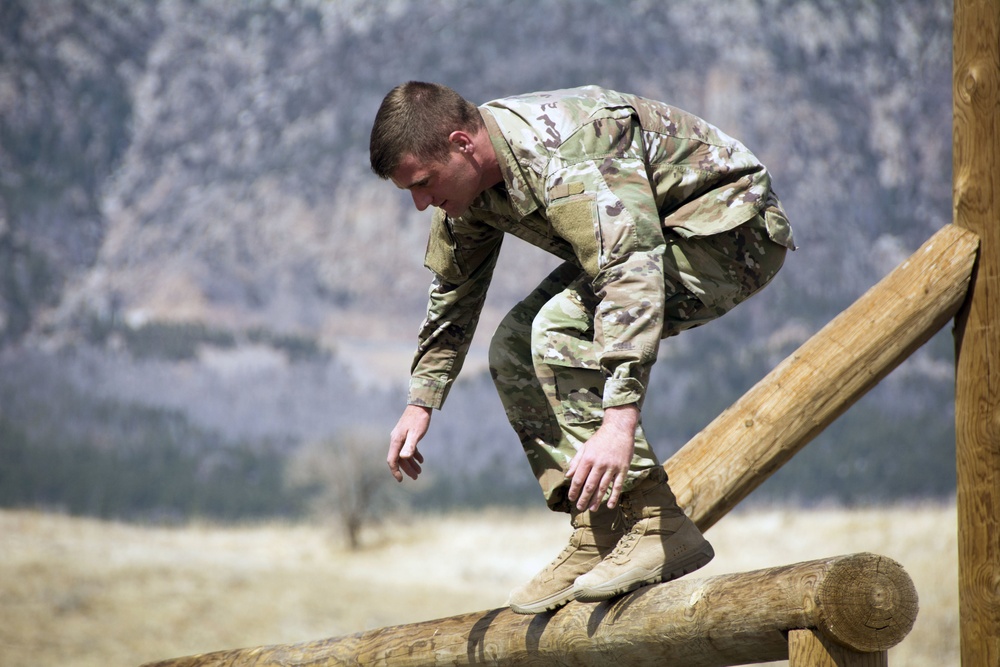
(519,192)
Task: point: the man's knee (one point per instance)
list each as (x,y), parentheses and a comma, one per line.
(509,346)
(564,325)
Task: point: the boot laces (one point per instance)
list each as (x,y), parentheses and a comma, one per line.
(628,518)
(626,515)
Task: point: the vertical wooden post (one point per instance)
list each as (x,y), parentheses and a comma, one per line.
(976,162)
(809,648)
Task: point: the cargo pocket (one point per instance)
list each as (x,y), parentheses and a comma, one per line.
(564,344)
(696,265)
(579,390)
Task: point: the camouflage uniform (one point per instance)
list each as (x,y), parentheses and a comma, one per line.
(664,223)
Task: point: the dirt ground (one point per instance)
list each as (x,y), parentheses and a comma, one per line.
(86,593)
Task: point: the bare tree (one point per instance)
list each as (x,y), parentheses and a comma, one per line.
(347,479)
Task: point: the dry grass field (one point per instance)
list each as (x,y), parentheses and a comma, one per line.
(85,593)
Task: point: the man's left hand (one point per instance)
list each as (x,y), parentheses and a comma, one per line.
(603,461)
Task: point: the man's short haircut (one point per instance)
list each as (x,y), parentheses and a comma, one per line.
(416,118)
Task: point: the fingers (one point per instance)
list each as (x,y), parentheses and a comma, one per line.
(408,465)
(590,485)
(577,478)
(411,458)
(616,490)
(571,470)
(602,488)
(404,457)
(592,481)
(392,459)
(585,480)
(409,449)
(411,466)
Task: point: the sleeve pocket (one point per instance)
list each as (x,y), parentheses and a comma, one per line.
(576,221)
(442,256)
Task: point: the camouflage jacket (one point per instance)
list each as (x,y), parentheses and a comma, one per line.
(594,177)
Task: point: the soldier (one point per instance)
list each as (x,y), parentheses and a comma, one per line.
(663,222)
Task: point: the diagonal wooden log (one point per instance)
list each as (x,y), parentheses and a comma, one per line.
(758,434)
(864,602)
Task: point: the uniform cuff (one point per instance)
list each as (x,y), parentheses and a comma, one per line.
(427,393)
(622,392)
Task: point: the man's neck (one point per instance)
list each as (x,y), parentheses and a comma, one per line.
(490,165)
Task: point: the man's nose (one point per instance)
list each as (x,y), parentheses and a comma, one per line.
(421,201)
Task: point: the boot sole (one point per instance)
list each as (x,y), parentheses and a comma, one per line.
(554,601)
(637,578)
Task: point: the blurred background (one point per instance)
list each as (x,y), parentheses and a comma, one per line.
(208,303)
(204,292)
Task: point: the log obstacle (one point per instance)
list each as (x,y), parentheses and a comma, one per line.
(853,607)
(809,648)
(754,437)
(976,202)
(733,619)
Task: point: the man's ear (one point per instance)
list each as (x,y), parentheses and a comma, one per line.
(462,141)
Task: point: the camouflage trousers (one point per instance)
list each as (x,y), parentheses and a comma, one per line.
(555,405)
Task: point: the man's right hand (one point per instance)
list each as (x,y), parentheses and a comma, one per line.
(404,457)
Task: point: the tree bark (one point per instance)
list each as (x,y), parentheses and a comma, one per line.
(754,437)
(976,174)
(863,601)
(809,648)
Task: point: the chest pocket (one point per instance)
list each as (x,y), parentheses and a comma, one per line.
(574,218)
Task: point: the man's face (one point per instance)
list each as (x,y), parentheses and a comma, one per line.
(451,184)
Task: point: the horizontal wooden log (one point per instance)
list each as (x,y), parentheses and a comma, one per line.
(758,434)
(865,602)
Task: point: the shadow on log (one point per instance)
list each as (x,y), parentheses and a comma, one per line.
(863,602)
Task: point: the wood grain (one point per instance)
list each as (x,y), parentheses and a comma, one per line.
(809,648)
(976,174)
(723,620)
(754,437)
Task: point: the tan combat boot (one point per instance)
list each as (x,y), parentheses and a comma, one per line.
(661,544)
(595,537)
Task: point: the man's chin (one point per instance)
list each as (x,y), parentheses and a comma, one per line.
(453,210)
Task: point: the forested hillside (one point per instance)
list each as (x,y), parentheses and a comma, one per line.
(199,275)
